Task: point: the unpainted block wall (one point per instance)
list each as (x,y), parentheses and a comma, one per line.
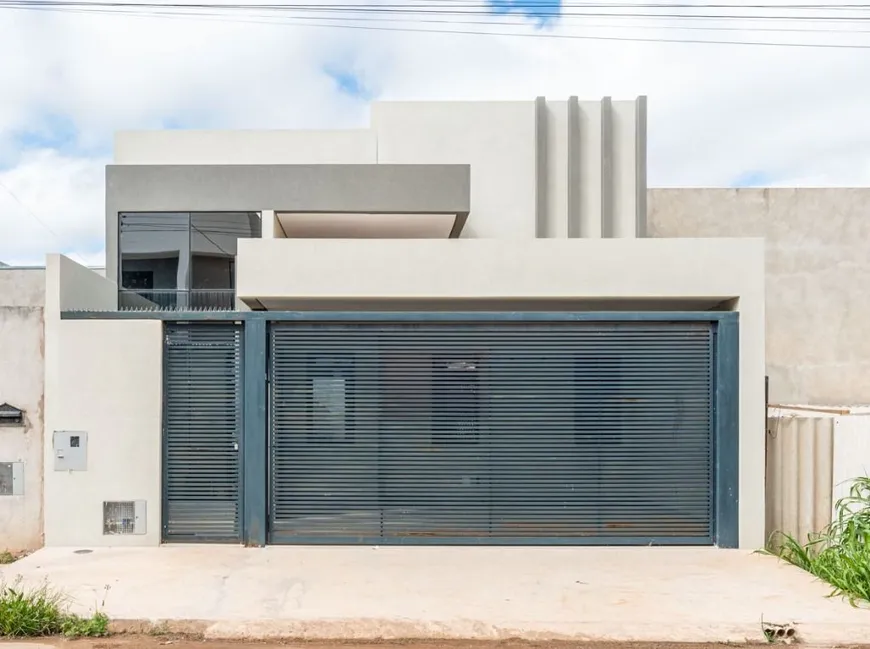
(21,385)
(817,278)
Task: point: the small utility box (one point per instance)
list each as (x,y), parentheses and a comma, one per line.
(11,478)
(70,450)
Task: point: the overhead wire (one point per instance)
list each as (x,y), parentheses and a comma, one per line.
(515,22)
(279,16)
(428,10)
(384,17)
(33,215)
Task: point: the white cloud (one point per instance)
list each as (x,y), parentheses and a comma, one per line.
(716,112)
(52,203)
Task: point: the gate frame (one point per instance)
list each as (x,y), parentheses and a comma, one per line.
(255,378)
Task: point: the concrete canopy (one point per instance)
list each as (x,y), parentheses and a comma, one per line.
(402,189)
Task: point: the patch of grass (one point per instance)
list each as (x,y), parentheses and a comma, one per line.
(7,557)
(43,611)
(840,554)
(95,626)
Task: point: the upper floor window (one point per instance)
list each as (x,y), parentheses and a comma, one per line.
(181,259)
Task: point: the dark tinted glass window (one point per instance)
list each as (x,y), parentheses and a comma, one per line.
(213,246)
(182,259)
(154,251)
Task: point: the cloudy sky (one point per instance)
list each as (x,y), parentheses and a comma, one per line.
(720,114)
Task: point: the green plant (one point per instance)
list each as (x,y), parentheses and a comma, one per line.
(6,557)
(42,611)
(95,626)
(840,554)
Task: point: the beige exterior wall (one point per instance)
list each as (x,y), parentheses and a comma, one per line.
(496,138)
(566,271)
(817,270)
(102,377)
(520,153)
(21,385)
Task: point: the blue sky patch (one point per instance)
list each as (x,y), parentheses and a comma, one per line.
(175,124)
(753,178)
(349,83)
(543,12)
(49,132)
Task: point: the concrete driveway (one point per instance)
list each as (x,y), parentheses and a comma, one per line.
(612,594)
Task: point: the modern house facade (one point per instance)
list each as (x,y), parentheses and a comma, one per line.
(449,328)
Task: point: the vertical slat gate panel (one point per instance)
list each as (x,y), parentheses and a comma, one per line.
(201,432)
(513,432)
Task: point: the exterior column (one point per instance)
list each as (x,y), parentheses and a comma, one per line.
(270,228)
(254,434)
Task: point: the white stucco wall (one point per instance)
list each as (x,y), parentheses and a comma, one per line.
(544,269)
(102,377)
(496,138)
(107,382)
(21,385)
(70,286)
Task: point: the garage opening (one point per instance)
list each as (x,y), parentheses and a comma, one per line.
(492,432)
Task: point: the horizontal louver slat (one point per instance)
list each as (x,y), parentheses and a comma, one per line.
(393,432)
(201,431)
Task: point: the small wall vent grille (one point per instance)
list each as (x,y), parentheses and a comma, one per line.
(124,517)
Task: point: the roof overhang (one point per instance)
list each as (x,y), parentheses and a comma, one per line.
(297,225)
(389,189)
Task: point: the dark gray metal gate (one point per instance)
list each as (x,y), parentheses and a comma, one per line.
(202,432)
(492,432)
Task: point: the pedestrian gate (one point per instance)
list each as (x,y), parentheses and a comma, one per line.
(491,432)
(202,428)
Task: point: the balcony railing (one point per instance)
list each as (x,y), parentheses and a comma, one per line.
(177,300)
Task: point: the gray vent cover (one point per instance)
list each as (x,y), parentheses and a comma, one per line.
(11,478)
(124,517)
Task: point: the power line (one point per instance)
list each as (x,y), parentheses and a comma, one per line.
(37,219)
(466,10)
(440,5)
(396,20)
(424,10)
(287,21)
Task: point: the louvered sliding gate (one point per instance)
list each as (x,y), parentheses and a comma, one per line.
(533,432)
(202,432)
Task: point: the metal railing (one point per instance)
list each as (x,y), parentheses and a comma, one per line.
(177,300)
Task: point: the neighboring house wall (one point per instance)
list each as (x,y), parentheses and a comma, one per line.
(812,458)
(818,271)
(22,293)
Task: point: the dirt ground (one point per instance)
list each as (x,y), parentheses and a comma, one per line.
(134,641)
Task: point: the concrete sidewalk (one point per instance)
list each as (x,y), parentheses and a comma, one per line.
(618,594)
